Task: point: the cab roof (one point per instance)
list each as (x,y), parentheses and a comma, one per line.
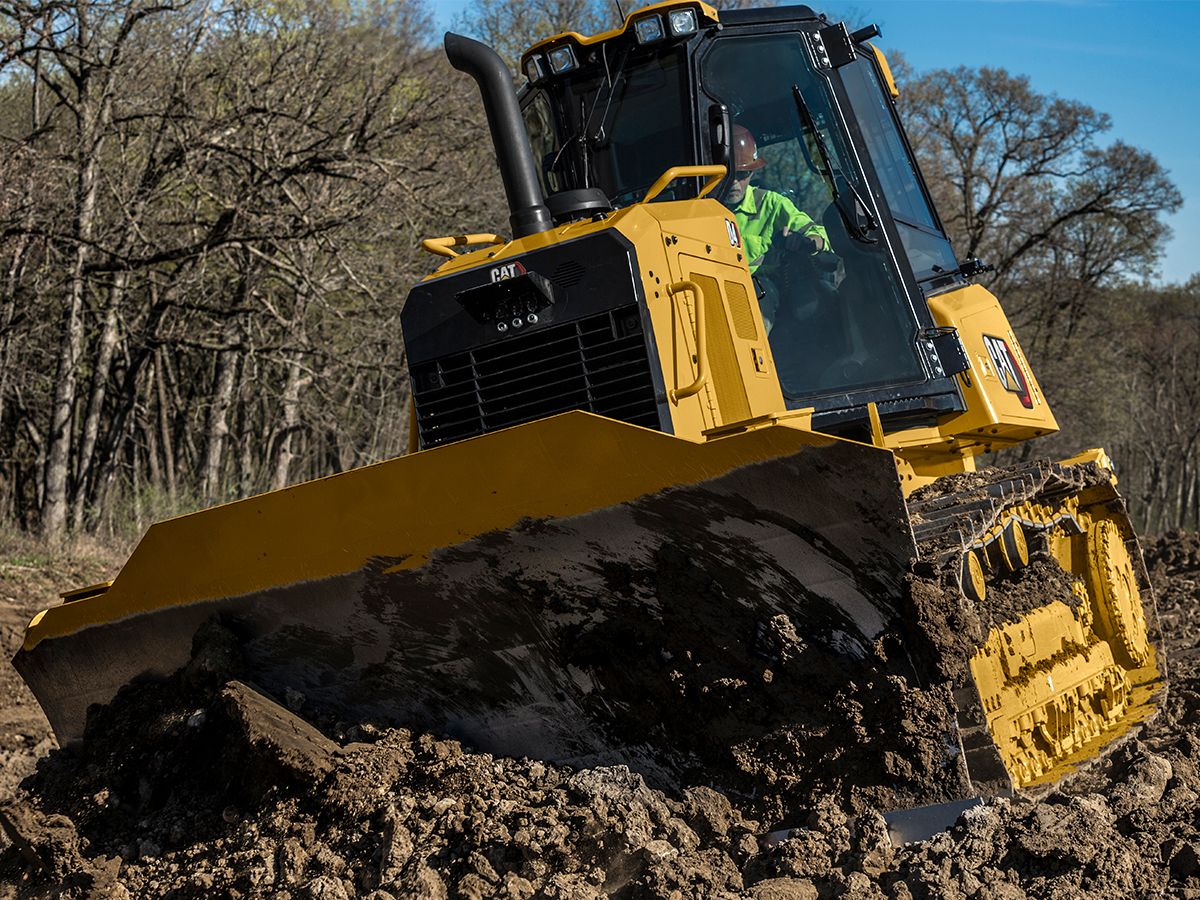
(706,13)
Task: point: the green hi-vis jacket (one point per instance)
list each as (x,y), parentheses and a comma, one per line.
(761,217)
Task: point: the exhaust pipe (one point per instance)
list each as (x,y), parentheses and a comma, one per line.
(528,213)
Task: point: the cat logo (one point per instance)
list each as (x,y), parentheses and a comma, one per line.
(506,271)
(735,239)
(1008,370)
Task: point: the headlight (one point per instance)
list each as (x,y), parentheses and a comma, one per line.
(683,21)
(562,59)
(649,29)
(535,68)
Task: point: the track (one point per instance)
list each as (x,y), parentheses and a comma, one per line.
(1038,566)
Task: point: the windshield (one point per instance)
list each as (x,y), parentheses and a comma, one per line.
(837,316)
(625,122)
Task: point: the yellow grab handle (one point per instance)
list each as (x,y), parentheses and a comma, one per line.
(441,246)
(714,173)
(701,338)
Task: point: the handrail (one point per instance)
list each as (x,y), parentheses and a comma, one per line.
(441,246)
(715,173)
(701,339)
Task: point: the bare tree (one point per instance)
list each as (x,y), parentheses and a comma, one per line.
(214,309)
(510,26)
(1022,181)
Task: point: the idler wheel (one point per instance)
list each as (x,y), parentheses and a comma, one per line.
(1118,598)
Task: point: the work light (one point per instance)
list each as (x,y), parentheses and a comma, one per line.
(649,29)
(683,21)
(562,59)
(535,68)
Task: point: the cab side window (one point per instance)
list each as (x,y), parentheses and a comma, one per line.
(929,252)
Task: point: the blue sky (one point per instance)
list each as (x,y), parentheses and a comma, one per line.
(1137,61)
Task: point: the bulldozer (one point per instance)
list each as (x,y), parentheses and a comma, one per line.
(694,481)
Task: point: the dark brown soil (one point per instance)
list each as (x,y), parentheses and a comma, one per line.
(203,787)
(30,579)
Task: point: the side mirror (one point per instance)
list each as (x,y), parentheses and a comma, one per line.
(720,134)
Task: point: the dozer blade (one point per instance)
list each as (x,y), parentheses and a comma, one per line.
(550,591)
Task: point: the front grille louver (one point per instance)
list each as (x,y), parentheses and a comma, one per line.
(598,363)
(569,273)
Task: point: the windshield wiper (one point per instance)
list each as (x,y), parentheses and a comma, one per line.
(581,137)
(850,205)
(599,139)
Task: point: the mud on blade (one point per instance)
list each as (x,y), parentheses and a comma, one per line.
(693,632)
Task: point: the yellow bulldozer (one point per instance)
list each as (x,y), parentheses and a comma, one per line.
(694,481)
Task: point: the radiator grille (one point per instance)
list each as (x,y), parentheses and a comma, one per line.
(598,364)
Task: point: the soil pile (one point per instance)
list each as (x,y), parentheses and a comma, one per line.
(30,579)
(202,786)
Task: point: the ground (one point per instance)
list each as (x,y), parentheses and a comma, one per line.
(31,577)
(203,787)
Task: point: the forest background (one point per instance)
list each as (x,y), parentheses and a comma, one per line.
(210,214)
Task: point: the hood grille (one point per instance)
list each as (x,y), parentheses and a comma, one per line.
(598,363)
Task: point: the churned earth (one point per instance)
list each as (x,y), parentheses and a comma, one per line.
(203,787)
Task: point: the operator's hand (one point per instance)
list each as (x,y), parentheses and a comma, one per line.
(801,243)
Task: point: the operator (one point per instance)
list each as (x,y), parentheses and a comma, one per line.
(764,215)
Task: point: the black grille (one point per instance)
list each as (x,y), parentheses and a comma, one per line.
(598,364)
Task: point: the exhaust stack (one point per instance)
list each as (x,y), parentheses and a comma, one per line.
(528,213)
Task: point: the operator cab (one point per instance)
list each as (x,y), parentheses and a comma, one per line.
(848,324)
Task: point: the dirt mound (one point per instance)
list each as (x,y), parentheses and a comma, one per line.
(239,794)
(202,786)
(30,579)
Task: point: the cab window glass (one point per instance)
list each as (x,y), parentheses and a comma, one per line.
(837,315)
(617,124)
(539,122)
(928,250)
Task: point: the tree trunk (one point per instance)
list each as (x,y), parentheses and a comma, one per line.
(164,427)
(91,113)
(84,482)
(284,453)
(58,455)
(218,415)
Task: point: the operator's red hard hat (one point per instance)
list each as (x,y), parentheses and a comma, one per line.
(745,151)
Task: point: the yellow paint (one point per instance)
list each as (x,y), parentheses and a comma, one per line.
(432,499)
(84,593)
(886,70)
(1095,455)
(704,11)
(877,436)
(1060,683)
(441,246)
(728,382)
(712,174)
(696,310)
(994,418)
